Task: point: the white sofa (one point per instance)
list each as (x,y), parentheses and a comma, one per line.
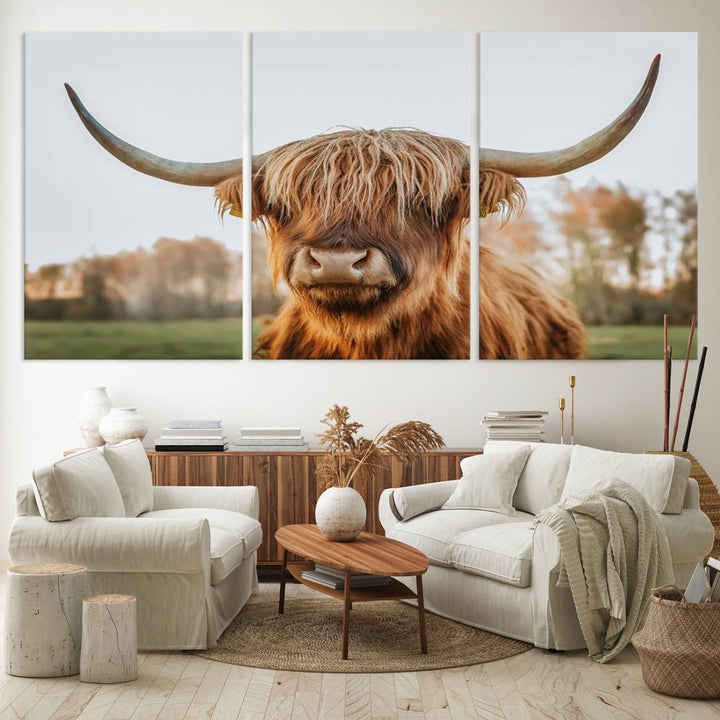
(187,553)
(495,571)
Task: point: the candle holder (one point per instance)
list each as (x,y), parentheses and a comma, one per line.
(561,405)
(572,409)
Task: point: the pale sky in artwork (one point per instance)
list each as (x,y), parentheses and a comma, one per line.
(180,96)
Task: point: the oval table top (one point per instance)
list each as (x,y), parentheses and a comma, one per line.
(368,553)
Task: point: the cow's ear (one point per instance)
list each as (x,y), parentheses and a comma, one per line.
(500,192)
(462,202)
(229,196)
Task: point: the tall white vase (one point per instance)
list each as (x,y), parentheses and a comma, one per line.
(340,513)
(123,423)
(96,404)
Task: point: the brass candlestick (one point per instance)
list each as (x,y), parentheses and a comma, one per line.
(572,409)
(561,405)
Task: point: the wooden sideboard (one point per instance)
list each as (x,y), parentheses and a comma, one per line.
(286,482)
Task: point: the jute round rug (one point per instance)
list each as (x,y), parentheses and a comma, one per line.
(384,637)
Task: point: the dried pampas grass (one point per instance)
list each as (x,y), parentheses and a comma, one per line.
(353,457)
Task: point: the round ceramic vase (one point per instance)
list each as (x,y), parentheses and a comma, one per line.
(122,424)
(96,405)
(340,514)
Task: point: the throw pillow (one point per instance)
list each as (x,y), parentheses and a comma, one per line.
(129,464)
(488,482)
(542,480)
(79,485)
(660,479)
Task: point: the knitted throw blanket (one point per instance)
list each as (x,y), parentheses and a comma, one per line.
(614,551)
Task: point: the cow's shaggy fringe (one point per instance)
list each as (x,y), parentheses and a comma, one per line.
(360,173)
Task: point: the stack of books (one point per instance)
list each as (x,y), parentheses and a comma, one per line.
(332,577)
(270,439)
(519,425)
(192,435)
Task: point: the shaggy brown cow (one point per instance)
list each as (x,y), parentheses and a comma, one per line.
(367,229)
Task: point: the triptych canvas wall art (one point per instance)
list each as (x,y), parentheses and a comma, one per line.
(362,193)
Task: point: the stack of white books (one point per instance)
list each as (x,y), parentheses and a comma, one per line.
(519,425)
(332,577)
(192,435)
(270,439)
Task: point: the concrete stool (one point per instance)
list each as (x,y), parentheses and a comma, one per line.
(109,639)
(43,616)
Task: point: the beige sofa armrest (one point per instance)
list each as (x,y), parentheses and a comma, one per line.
(690,535)
(555,624)
(25,503)
(242,499)
(177,545)
(387,519)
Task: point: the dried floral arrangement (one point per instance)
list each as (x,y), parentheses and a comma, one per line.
(352,456)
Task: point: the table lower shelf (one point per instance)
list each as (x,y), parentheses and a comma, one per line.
(394,590)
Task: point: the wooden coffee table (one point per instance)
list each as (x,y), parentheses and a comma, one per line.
(368,553)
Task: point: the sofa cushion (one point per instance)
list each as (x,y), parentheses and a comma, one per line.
(542,480)
(232,536)
(227,551)
(660,479)
(79,485)
(435,532)
(488,482)
(501,552)
(129,464)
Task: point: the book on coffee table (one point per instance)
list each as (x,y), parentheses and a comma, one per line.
(332,577)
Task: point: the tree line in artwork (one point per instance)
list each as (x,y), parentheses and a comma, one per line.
(622,256)
(174,279)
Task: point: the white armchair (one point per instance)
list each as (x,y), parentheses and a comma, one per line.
(190,561)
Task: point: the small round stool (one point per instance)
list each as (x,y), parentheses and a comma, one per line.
(109,639)
(43,616)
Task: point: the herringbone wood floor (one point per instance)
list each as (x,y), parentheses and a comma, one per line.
(178,686)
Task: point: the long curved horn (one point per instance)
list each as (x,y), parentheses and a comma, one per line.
(592,148)
(186,173)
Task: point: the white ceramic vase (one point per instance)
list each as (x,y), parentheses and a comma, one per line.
(96,405)
(122,423)
(340,513)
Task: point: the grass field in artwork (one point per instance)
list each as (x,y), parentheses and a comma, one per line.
(637,341)
(134,339)
(222,339)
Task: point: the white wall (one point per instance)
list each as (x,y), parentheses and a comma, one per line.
(619,403)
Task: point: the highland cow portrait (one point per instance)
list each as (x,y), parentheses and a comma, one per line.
(361,207)
(367,229)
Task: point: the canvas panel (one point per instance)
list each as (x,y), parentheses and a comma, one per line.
(589,263)
(354,255)
(120,264)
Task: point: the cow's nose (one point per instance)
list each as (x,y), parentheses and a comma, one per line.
(334,265)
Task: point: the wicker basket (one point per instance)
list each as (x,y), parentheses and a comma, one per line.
(680,646)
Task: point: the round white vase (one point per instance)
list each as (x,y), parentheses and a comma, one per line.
(95,406)
(122,423)
(340,513)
